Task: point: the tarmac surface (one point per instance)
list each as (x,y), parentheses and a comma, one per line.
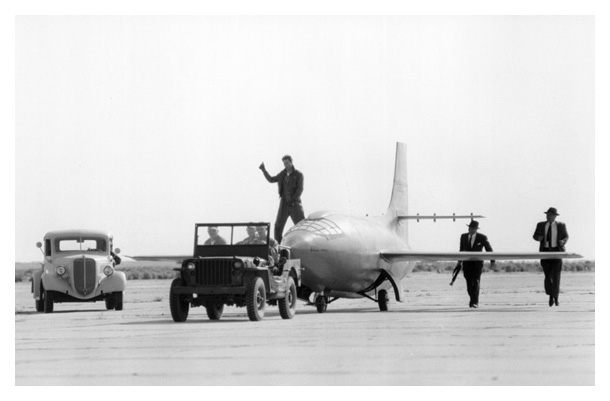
(434,338)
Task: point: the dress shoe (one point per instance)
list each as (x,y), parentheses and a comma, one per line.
(556,302)
(470,304)
(551,301)
(475,306)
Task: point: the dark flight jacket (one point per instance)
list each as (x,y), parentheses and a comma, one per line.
(290,187)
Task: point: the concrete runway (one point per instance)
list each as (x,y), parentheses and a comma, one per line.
(514,338)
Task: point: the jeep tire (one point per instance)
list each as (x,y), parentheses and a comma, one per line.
(47,301)
(256,299)
(288,305)
(178,304)
(215,311)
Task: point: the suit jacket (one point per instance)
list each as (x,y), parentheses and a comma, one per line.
(562,235)
(480,242)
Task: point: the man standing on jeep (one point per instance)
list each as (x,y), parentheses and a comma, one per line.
(290,188)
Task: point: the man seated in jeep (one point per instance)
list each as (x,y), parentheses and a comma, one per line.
(251,239)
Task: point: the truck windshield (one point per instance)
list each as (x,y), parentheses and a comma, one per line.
(80,244)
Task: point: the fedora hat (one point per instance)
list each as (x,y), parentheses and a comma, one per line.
(552,210)
(473,224)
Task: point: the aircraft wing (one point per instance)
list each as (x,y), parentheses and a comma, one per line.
(161,258)
(396,256)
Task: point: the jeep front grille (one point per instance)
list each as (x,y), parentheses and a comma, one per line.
(84,276)
(214,272)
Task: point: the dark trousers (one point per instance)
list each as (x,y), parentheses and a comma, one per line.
(295,212)
(552,274)
(472,274)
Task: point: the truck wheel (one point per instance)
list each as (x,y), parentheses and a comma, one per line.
(118,300)
(178,304)
(110,301)
(214,311)
(256,299)
(40,302)
(47,301)
(288,305)
(383,299)
(321,304)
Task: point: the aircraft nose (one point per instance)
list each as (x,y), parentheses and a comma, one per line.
(299,241)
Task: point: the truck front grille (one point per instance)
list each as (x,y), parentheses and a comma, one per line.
(214,272)
(84,276)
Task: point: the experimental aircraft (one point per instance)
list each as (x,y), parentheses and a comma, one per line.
(351,257)
(347,256)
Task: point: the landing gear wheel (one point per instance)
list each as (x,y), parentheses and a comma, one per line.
(215,311)
(382,298)
(256,299)
(118,300)
(288,305)
(321,303)
(47,301)
(178,304)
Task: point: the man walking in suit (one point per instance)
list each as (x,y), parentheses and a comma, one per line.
(552,236)
(472,241)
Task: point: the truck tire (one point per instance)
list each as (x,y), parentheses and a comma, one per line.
(40,302)
(47,301)
(215,311)
(256,299)
(383,299)
(110,301)
(288,305)
(178,304)
(118,300)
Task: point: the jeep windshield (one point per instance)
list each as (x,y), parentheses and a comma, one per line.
(232,234)
(81,244)
(230,239)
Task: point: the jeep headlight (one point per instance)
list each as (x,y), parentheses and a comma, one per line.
(61,270)
(238,264)
(108,271)
(190,266)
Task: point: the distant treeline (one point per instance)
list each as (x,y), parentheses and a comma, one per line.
(163,270)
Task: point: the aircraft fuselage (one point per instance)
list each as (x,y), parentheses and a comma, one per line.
(341,253)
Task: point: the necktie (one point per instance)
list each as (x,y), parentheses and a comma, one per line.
(548,235)
(470,240)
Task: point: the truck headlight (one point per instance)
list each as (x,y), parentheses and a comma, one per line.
(190,266)
(108,271)
(61,270)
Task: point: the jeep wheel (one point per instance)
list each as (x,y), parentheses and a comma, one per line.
(178,304)
(321,304)
(47,301)
(214,311)
(288,305)
(118,300)
(383,299)
(110,301)
(256,299)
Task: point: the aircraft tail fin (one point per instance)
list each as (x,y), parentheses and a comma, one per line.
(398,201)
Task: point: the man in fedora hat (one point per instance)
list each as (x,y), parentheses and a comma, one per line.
(472,241)
(552,236)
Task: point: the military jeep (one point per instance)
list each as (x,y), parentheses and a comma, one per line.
(235,264)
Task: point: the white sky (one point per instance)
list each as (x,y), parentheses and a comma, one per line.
(145,126)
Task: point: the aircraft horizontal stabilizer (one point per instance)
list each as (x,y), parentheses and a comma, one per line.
(391,256)
(435,217)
